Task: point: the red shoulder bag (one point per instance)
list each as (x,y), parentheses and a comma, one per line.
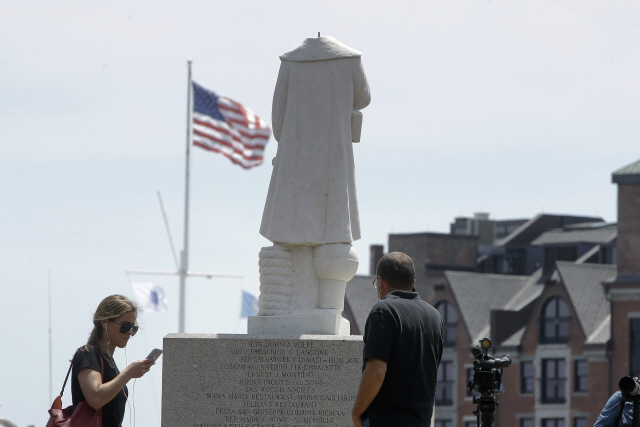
(80,415)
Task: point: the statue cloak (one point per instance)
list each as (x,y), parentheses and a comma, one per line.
(312,194)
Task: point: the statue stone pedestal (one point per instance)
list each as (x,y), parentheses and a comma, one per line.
(316,324)
(259,381)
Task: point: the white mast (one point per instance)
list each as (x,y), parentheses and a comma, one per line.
(184,255)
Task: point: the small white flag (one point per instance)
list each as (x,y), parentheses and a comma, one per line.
(249,304)
(150,296)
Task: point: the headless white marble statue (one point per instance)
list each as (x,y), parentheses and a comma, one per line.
(311,211)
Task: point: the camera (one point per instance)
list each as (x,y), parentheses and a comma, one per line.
(487,375)
(487,381)
(629,385)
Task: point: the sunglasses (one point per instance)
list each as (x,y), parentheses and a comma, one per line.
(126,327)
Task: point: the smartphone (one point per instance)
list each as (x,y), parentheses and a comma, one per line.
(155,353)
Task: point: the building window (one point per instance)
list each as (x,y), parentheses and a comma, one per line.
(554,322)
(526,422)
(552,422)
(443,423)
(558,253)
(580,422)
(553,381)
(608,255)
(580,375)
(526,377)
(450,320)
(446,386)
(634,347)
(516,261)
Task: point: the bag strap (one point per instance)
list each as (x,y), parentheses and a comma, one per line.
(71,366)
(101,368)
(66,378)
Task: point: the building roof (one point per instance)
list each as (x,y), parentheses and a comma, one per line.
(533,228)
(478,293)
(361,296)
(584,285)
(527,294)
(629,174)
(602,333)
(596,234)
(515,339)
(588,255)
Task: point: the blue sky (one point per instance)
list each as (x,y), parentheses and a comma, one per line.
(512,108)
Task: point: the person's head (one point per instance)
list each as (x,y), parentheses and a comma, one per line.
(114,321)
(395,272)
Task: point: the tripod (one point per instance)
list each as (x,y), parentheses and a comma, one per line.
(485,410)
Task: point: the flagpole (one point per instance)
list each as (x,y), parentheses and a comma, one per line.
(50,344)
(184,256)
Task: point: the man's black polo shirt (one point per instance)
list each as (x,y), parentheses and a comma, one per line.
(406,333)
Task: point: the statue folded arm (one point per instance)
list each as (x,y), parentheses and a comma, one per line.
(361,93)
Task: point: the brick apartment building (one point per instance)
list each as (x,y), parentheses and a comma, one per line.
(548,293)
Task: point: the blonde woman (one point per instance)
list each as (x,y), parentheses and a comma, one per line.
(114,323)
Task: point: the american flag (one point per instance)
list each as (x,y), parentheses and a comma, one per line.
(227,127)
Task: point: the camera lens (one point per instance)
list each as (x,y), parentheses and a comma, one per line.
(629,385)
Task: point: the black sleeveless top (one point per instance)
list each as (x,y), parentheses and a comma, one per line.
(89,357)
